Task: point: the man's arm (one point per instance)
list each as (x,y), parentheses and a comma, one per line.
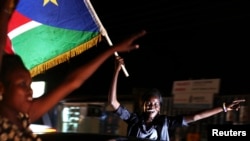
(235,105)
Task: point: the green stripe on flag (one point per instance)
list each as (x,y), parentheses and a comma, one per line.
(40,44)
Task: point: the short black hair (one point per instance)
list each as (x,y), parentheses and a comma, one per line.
(10,62)
(151,93)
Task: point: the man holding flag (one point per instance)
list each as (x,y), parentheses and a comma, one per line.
(18,108)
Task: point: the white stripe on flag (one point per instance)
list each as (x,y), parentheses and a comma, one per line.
(23,28)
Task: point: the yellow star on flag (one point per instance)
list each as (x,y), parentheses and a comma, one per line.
(47,1)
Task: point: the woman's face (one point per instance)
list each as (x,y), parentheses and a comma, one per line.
(18,93)
(152,106)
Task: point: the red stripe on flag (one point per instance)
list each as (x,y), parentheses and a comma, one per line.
(17,20)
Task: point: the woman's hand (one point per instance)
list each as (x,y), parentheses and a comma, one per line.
(129,43)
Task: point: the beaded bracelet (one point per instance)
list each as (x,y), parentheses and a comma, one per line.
(224,107)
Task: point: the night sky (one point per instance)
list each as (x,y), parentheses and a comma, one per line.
(186,40)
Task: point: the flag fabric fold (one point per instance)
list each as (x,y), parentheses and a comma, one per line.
(46,33)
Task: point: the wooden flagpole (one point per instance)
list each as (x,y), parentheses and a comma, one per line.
(102,29)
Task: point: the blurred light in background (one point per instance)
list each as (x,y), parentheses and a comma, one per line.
(38,88)
(41,129)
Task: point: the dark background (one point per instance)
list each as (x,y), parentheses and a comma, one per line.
(189,39)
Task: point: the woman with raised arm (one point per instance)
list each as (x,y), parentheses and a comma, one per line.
(17,107)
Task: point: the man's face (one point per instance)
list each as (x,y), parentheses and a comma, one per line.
(152,106)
